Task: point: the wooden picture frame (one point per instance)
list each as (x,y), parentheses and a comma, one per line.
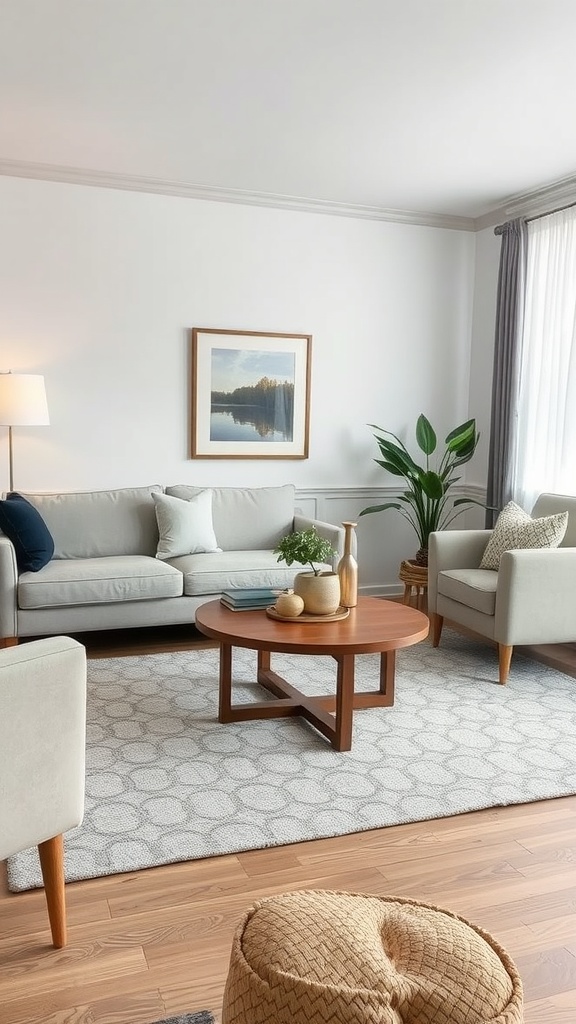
(250,394)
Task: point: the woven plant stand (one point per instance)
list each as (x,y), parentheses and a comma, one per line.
(415,580)
(324,957)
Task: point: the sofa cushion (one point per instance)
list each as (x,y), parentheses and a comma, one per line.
(185,527)
(98,581)
(213,573)
(247,518)
(476,588)
(24,526)
(515,529)
(95,524)
(550,505)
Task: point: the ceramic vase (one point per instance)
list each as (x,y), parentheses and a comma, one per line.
(348,570)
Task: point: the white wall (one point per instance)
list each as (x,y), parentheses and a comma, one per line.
(99,290)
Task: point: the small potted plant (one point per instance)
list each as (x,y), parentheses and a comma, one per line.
(319,589)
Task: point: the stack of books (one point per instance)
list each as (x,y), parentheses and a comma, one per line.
(248,598)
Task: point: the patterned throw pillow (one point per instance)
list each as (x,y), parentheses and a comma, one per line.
(514,528)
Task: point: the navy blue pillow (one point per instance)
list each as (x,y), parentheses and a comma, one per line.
(24,526)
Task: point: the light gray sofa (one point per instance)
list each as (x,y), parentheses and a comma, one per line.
(105,574)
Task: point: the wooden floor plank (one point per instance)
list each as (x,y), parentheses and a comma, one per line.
(67,966)
(547,972)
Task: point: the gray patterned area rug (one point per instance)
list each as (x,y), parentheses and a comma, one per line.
(202,1017)
(166,782)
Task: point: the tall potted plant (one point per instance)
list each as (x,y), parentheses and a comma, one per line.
(427,504)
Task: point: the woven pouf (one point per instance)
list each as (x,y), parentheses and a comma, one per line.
(314,957)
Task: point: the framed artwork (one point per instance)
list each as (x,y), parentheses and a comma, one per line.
(250,394)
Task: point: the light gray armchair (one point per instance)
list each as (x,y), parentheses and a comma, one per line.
(530,600)
(42,757)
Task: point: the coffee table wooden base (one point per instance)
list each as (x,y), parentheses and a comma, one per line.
(374,626)
(330,714)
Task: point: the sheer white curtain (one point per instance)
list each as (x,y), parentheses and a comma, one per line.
(546,403)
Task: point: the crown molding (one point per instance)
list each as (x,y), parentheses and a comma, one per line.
(186,190)
(537,203)
(545,200)
(491,219)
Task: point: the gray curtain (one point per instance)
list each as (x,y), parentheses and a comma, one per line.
(509,306)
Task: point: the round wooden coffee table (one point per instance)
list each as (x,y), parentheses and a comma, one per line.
(374,626)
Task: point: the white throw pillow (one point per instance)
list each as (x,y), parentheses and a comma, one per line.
(185,527)
(514,529)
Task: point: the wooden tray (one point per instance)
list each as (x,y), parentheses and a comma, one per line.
(340,613)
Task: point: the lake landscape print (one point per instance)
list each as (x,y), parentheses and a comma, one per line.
(252,395)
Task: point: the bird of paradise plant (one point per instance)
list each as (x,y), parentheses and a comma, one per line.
(426,504)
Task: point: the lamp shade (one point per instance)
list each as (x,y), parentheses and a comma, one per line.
(23,400)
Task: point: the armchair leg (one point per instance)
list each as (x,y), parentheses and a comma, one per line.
(52,863)
(437,623)
(504,659)
(8,641)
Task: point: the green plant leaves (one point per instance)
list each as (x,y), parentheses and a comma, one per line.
(380,508)
(306,547)
(426,505)
(425,436)
(432,485)
(463,439)
(397,457)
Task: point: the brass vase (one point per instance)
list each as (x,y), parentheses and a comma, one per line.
(348,570)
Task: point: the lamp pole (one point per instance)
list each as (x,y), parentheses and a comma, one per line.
(11,457)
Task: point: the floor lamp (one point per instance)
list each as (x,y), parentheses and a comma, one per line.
(22,404)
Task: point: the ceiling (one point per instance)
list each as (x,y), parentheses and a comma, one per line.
(443,107)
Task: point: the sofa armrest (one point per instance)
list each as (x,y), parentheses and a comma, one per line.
(8,589)
(42,741)
(453,549)
(536,596)
(335,534)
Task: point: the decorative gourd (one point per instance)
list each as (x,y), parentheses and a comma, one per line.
(289,604)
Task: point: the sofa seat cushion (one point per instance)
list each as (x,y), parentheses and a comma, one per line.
(476,588)
(82,581)
(246,518)
(212,573)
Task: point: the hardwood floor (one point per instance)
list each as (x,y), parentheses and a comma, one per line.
(154,943)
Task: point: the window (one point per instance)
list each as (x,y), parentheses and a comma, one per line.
(546,390)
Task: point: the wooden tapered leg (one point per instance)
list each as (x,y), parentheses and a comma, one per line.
(504,659)
(52,863)
(8,641)
(437,623)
